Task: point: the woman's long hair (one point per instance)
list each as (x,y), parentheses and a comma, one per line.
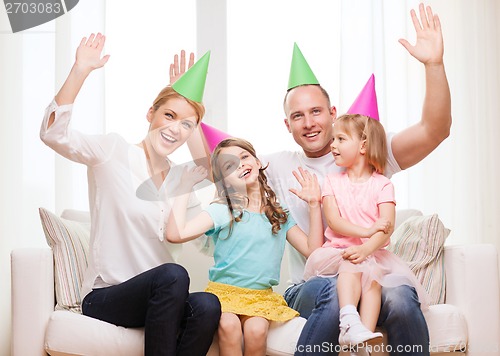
(236,202)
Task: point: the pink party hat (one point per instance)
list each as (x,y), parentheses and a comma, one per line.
(366,102)
(213,136)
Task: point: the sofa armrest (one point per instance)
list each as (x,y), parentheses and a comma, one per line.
(472,284)
(32,274)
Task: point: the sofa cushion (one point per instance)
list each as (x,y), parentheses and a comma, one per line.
(69,241)
(282,336)
(74,334)
(447,328)
(401,216)
(419,241)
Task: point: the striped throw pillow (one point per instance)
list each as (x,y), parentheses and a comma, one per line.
(420,242)
(69,241)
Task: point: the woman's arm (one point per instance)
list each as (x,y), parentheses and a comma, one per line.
(178,229)
(88,58)
(55,130)
(344,227)
(310,193)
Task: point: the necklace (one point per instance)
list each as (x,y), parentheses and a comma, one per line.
(146,152)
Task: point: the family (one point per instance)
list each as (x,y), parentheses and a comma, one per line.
(331,199)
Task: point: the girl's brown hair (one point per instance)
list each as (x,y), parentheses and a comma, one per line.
(370,130)
(168,93)
(235,201)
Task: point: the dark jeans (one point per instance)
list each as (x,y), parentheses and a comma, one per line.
(317,301)
(175,322)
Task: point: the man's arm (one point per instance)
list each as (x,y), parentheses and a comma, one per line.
(413,144)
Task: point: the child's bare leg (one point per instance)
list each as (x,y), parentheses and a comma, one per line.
(369,307)
(349,289)
(255,335)
(352,330)
(230,335)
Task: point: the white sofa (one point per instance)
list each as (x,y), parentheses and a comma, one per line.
(469,322)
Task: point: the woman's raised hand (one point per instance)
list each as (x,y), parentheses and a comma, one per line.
(88,53)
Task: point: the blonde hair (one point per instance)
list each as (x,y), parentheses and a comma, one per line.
(168,93)
(235,201)
(370,130)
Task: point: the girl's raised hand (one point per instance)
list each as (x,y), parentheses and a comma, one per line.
(177,69)
(311,191)
(88,53)
(193,176)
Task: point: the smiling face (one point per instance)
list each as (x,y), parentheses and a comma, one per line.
(239,168)
(171,124)
(310,119)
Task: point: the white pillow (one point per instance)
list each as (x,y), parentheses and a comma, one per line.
(69,241)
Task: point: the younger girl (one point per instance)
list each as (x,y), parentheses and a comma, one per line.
(249,228)
(359,207)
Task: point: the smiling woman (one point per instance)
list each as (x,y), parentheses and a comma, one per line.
(127,251)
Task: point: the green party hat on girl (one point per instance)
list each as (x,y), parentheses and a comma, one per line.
(192,83)
(300,72)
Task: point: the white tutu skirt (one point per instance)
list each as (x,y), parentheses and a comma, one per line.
(382,266)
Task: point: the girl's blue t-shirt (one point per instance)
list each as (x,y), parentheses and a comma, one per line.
(251,256)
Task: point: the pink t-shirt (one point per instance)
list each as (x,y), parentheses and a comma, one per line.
(357,203)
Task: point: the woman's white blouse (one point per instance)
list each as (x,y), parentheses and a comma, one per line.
(127,210)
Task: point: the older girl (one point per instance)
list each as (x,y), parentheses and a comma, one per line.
(249,228)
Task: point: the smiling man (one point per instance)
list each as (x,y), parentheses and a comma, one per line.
(309,118)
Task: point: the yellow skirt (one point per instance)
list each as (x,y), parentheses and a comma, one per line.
(252,302)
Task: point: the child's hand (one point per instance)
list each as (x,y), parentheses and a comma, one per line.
(176,70)
(192,176)
(310,192)
(355,254)
(382,224)
(88,53)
